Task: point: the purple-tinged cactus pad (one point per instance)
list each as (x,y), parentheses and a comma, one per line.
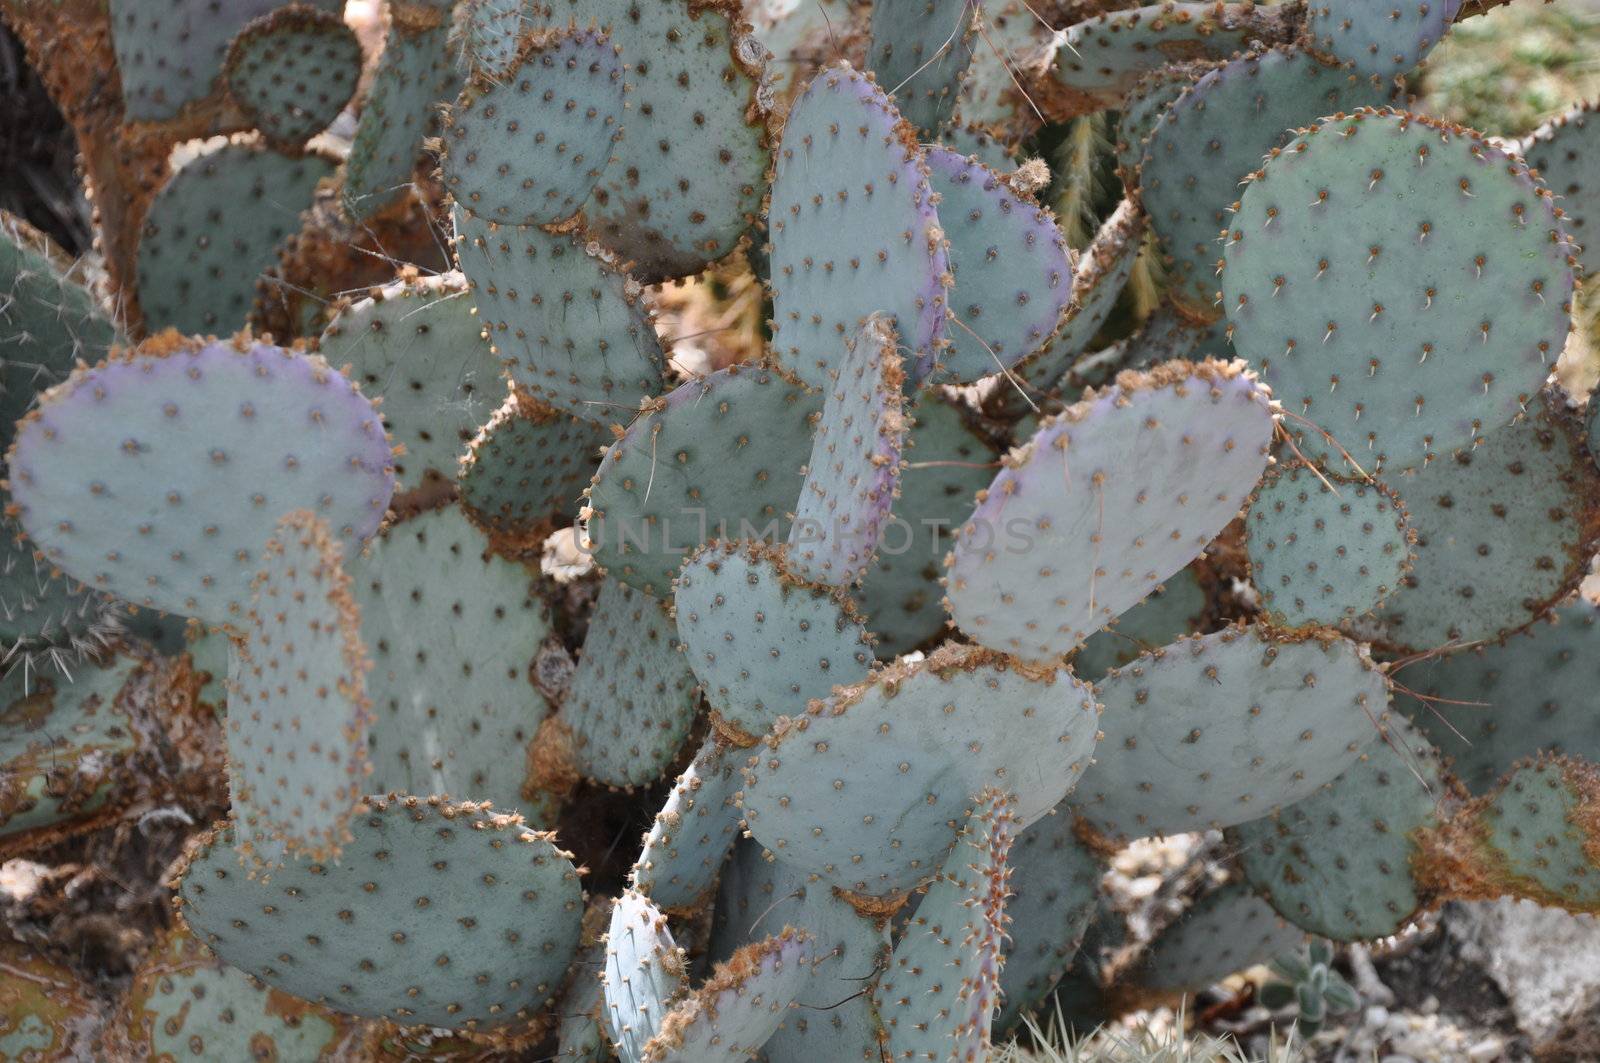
(854,229)
(1011,265)
(1106,501)
(1381,38)
(1401,283)
(854,470)
(155,475)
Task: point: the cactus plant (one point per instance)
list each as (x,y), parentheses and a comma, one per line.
(1309,982)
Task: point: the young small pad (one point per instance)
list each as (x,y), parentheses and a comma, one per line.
(1071,534)
(292,71)
(1338,863)
(1225,931)
(850,182)
(689,841)
(195,447)
(762,641)
(1504,532)
(716,458)
(737,1009)
(633,697)
(1323,550)
(1566,152)
(297,729)
(1225,728)
(215,227)
(919,52)
(442,914)
(572,328)
(417,346)
(938,996)
(1400,282)
(1170,611)
(645,974)
(526,147)
(1011,265)
(854,469)
(868,788)
(1380,38)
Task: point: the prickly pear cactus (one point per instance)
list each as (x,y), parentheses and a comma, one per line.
(1564,151)
(292,72)
(919,53)
(46,1011)
(692,834)
(1227,930)
(1380,38)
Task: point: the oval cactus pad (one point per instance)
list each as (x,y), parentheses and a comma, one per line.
(293,71)
(1383,38)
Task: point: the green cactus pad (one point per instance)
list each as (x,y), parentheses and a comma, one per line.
(71,751)
(215,227)
(1170,611)
(1011,265)
(1054,890)
(633,697)
(1380,38)
(718,457)
(573,329)
(438,914)
(292,72)
(947,465)
(1144,107)
(417,71)
(645,974)
(184,1002)
(297,735)
(763,641)
(1338,863)
(975,142)
(1227,930)
(494,32)
(854,469)
(1565,151)
(835,1020)
(839,251)
(1490,706)
(416,345)
(526,147)
(526,471)
(580,1037)
(48,621)
(194,446)
(170,54)
(1503,533)
(453,633)
(919,53)
(1095,64)
(1225,728)
(868,788)
(691,835)
(938,996)
(1216,134)
(1070,535)
(1323,550)
(46,1011)
(737,1009)
(49,319)
(1401,283)
(1012,40)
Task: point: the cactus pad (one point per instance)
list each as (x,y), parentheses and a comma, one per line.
(975,142)
(193,445)
(452,633)
(854,469)
(739,1006)
(1565,151)
(1381,38)
(46,1011)
(297,732)
(292,72)
(1010,262)
(691,835)
(1338,863)
(1070,535)
(1490,706)
(526,471)
(913,746)
(645,974)
(1215,135)
(633,697)
(849,183)
(1014,39)
(717,457)
(184,1001)
(48,621)
(416,345)
(443,914)
(919,52)
(761,640)
(1144,107)
(1402,283)
(1170,611)
(572,328)
(1320,557)
(1227,930)
(526,147)
(938,996)
(1224,728)
(1508,528)
(215,227)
